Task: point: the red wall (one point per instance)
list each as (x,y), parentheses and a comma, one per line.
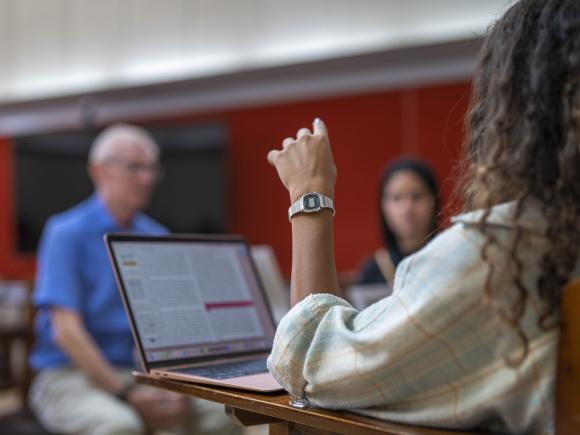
(365,131)
(12,265)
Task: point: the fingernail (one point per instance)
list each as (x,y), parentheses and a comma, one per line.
(317,120)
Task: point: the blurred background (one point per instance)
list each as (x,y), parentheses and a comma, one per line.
(219,83)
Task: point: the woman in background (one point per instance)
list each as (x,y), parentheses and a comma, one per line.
(408,212)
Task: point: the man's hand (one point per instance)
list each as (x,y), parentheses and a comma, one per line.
(159,409)
(305,163)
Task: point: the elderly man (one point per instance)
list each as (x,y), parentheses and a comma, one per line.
(84,348)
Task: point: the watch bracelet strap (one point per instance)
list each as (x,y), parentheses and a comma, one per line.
(326,202)
(294,208)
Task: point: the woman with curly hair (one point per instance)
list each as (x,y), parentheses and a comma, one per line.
(469,337)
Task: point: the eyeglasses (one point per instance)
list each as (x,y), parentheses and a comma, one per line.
(133,168)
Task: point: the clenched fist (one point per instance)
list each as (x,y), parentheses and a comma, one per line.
(305,163)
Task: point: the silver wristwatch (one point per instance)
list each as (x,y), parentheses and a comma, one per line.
(311,202)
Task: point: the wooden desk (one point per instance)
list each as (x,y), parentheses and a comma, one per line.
(251,409)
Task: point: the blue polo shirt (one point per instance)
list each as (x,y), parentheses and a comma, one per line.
(74,272)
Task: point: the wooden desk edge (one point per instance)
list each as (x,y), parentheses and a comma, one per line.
(276,405)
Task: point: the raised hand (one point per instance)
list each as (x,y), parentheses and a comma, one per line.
(305,163)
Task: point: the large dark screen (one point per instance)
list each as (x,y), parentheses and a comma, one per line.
(51,177)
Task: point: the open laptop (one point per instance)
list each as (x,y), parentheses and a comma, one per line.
(196,308)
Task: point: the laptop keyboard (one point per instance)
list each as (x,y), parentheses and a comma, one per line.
(228,370)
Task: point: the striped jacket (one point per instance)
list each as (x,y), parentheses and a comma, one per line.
(435,352)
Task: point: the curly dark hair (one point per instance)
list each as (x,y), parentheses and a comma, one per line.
(524,140)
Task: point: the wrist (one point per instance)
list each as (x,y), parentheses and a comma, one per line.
(125,391)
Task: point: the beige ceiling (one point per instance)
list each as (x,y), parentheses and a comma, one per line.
(57,47)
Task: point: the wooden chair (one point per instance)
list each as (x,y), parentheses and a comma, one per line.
(568,381)
(21,421)
(17,332)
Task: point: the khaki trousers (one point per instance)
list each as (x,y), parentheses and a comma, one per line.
(65,401)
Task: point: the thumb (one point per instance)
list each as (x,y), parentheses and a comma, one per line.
(319,127)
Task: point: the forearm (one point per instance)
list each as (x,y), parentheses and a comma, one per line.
(305,164)
(87,357)
(313,265)
(74,340)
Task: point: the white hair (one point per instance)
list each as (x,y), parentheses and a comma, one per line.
(107,144)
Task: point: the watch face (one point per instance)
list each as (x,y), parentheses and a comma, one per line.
(311,202)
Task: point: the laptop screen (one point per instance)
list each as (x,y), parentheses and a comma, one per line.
(191,298)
